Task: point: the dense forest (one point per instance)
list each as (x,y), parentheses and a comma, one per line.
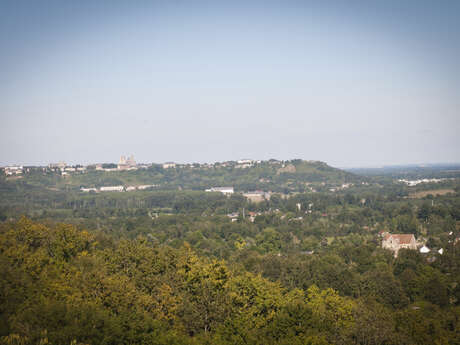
(183,266)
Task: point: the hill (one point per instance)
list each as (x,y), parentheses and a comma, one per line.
(277,176)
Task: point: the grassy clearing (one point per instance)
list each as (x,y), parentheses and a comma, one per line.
(434,192)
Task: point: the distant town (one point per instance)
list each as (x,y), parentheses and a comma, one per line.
(124,164)
(128,164)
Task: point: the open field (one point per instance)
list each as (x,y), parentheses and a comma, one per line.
(424,193)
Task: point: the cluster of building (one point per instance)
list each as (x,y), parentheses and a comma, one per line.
(396,242)
(240,164)
(65,169)
(129,163)
(251,216)
(61,167)
(246,163)
(342,187)
(412,183)
(253,196)
(13,170)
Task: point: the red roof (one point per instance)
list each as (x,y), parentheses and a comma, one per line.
(403,238)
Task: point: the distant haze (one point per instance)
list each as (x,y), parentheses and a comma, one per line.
(352,83)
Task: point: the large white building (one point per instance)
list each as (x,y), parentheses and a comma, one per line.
(223,190)
(87,190)
(112,189)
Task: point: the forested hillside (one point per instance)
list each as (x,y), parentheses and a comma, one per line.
(60,285)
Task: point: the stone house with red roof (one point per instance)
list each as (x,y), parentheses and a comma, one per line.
(395,242)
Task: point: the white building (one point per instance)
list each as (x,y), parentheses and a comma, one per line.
(87,190)
(244,163)
(60,165)
(145,186)
(13,170)
(112,189)
(223,190)
(425,250)
(168,165)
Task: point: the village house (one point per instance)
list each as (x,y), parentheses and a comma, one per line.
(233,216)
(257,196)
(253,215)
(395,242)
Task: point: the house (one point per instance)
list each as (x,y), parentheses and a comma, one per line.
(233,216)
(395,242)
(257,196)
(253,215)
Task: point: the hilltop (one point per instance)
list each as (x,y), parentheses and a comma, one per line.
(272,175)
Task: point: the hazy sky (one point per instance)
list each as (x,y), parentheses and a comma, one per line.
(352,83)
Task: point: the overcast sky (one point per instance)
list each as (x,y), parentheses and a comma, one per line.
(351,83)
